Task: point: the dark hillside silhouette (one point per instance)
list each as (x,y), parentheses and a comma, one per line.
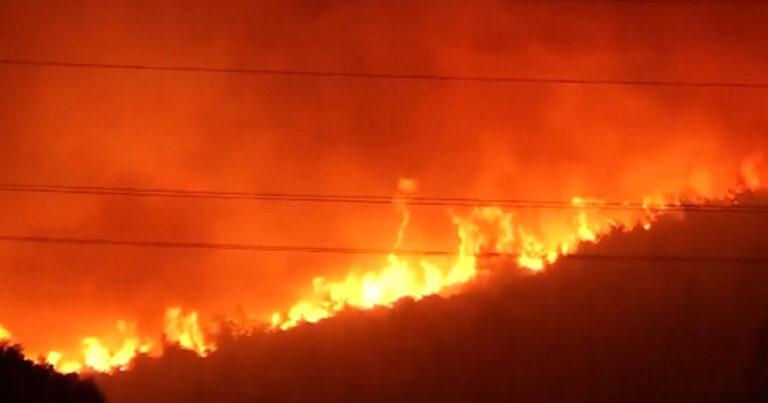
(584,331)
(22,381)
(757,389)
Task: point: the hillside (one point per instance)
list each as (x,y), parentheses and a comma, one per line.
(584,330)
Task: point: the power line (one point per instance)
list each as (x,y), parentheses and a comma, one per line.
(385,76)
(378,200)
(360,251)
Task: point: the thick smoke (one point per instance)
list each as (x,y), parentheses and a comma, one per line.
(336,136)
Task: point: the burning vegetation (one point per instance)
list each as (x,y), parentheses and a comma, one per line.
(580,330)
(531,237)
(119,246)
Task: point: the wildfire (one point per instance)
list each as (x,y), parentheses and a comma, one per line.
(180,329)
(529,238)
(484,233)
(185,331)
(534,240)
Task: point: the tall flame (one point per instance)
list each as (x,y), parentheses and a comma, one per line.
(185,331)
(484,233)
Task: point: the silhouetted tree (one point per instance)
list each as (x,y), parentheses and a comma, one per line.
(22,381)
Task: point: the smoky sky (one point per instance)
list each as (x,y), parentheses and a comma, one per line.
(336,136)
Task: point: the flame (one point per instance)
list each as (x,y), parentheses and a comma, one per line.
(487,235)
(53,358)
(382,288)
(69,367)
(185,331)
(484,233)
(97,356)
(396,280)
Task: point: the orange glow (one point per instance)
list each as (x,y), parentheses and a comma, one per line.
(749,171)
(231,144)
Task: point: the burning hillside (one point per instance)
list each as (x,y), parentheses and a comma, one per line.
(167,173)
(582,330)
(531,237)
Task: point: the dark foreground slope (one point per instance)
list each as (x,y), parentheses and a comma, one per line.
(584,331)
(22,381)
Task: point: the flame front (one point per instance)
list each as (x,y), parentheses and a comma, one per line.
(180,329)
(488,237)
(185,331)
(532,239)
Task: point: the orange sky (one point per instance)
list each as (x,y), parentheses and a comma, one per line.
(338,136)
